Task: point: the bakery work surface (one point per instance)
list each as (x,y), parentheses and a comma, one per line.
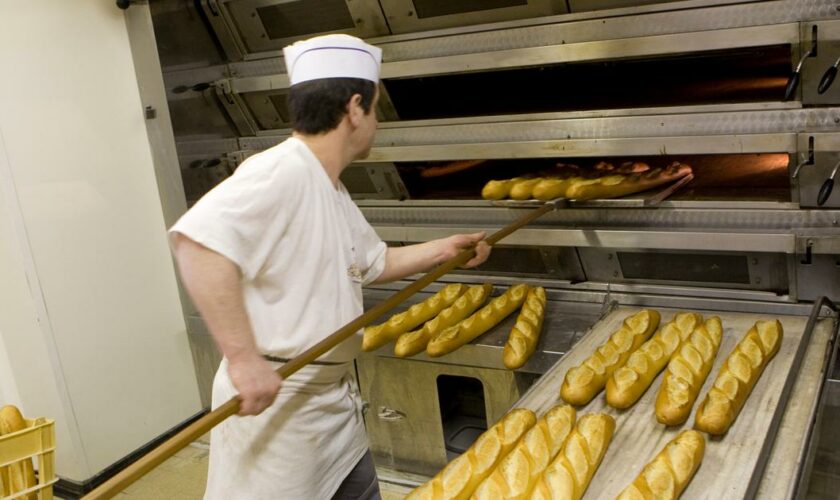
(763,451)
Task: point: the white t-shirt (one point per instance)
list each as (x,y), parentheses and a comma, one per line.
(305,251)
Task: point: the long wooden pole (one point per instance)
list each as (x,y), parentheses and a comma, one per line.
(189,434)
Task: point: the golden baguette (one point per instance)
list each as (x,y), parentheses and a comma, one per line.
(584,381)
(629,382)
(614,186)
(524,189)
(459,479)
(379,335)
(686,373)
(18,476)
(551,188)
(668,474)
(738,376)
(499,190)
(517,473)
(526,332)
(411,343)
(568,476)
(486,318)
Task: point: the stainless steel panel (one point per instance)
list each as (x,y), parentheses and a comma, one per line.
(828,52)
(371,181)
(612,25)
(756,36)
(183,39)
(639,239)
(812,176)
(586,5)
(405,16)
(396,417)
(821,276)
(197,113)
(263,25)
(748,270)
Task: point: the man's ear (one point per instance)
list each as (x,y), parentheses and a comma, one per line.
(355,111)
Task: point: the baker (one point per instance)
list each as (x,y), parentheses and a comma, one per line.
(275,258)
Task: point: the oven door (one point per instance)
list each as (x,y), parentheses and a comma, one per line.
(405,16)
(246,27)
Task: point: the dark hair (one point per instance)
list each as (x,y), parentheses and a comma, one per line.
(318,106)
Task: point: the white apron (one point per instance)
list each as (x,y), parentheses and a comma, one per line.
(302,446)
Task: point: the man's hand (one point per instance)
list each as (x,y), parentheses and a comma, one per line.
(453,245)
(256,381)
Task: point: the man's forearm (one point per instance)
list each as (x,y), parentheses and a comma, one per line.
(405,261)
(214,283)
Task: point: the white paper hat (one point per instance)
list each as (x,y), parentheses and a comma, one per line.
(332,56)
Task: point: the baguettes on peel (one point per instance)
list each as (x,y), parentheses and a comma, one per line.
(526,332)
(686,373)
(379,335)
(486,318)
(459,479)
(524,189)
(411,343)
(18,476)
(499,189)
(616,186)
(568,476)
(738,376)
(517,473)
(629,382)
(668,474)
(585,381)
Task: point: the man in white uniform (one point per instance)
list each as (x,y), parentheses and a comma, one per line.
(275,258)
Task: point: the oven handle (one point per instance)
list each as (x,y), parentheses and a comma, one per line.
(828,185)
(794,78)
(828,77)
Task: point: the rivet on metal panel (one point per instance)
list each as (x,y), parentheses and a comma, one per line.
(615,274)
(754,261)
(758,281)
(410,13)
(609,256)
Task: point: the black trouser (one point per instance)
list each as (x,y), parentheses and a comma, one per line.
(361,483)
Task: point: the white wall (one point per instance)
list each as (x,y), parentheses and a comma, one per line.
(93,328)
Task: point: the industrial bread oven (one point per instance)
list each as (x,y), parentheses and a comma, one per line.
(737,90)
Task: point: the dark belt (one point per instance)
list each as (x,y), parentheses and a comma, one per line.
(275,359)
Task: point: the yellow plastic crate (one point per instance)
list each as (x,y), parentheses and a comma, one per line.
(37,442)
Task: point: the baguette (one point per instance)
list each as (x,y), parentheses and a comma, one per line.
(500,189)
(666,477)
(551,188)
(517,473)
(486,318)
(584,381)
(628,383)
(738,376)
(526,332)
(524,189)
(459,479)
(415,342)
(569,474)
(379,335)
(686,373)
(614,186)
(18,476)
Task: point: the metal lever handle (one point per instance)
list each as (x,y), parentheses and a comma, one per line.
(828,77)
(799,166)
(827,187)
(795,77)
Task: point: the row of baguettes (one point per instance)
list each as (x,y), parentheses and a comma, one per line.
(575,187)
(452,318)
(555,457)
(628,362)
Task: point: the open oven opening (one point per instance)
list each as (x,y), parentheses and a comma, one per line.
(714,77)
(462,412)
(731,177)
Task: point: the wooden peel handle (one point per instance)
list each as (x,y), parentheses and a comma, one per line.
(155,457)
